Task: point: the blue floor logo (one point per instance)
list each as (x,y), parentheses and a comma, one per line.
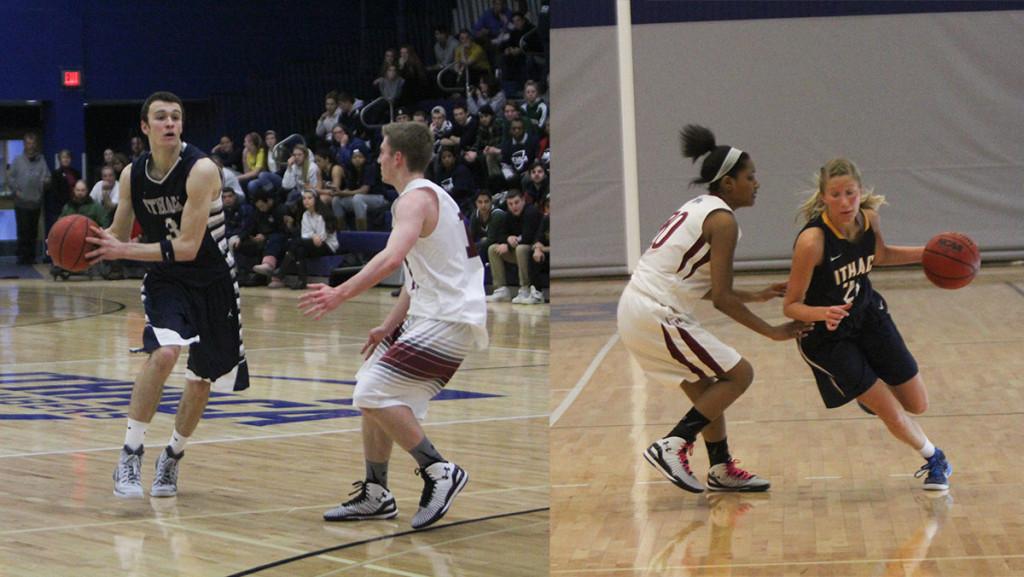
(58,396)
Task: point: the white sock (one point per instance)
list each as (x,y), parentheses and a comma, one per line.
(177,442)
(927,450)
(135,436)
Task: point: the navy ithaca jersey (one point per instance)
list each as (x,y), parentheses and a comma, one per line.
(842,276)
(158,206)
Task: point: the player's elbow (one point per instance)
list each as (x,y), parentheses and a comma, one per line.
(721,300)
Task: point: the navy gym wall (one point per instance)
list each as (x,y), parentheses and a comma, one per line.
(925,96)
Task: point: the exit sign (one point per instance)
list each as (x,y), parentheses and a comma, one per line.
(72,79)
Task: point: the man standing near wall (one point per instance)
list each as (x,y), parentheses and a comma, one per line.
(29,176)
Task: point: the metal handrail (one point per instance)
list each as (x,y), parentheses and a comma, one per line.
(391,112)
(522,43)
(452,89)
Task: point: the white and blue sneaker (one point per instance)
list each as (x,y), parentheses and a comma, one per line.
(128,473)
(938,470)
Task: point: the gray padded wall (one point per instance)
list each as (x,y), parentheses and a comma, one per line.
(930,106)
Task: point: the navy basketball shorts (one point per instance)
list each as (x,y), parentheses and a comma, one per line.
(847,367)
(204,319)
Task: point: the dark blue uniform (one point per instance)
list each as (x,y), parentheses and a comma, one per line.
(194,303)
(866,346)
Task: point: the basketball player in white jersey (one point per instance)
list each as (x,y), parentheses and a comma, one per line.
(441,315)
(690,259)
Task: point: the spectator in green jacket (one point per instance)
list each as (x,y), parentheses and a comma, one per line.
(82,203)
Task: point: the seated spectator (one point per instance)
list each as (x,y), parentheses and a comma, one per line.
(515,246)
(486,224)
(485,154)
(330,116)
(342,144)
(410,67)
(81,203)
(118,164)
(512,112)
(333,174)
(463,133)
(361,193)
(58,193)
(270,141)
(136,148)
(470,58)
(390,59)
(254,159)
(421,117)
(483,94)
(391,84)
(534,107)
(517,153)
(402,115)
(444,48)
(239,218)
(302,174)
(266,241)
(440,127)
(350,107)
(455,177)
(230,157)
(535,183)
(540,261)
(317,238)
(228,177)
(515,64)
(490,27)
(107,192)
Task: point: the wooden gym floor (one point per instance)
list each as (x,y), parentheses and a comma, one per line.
(265,463)
(843,500)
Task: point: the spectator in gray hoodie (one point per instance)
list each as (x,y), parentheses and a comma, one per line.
(29,175)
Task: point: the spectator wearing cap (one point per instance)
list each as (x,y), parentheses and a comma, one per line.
(402,115)
(361,193)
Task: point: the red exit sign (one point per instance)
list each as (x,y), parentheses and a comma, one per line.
(72,79)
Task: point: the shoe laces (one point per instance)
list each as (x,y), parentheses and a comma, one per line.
(933,465)
(360,492)
(429,485)
(733,471)
(130,469)
(682,453)
(168,470)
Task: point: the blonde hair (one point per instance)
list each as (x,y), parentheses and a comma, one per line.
(814,205)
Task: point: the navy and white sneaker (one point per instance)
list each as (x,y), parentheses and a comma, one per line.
(128,473)
(371,501)
(671,456)
(442,481)
(728,477)
(938,470)
(165,484)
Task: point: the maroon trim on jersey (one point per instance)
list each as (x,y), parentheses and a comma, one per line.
(702,353)
(703,260)
(689,254)
(679,356)
(419,363)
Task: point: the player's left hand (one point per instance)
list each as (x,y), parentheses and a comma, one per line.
(773,291)
(319,300)
(108,247)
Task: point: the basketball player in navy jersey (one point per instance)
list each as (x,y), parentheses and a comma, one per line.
(189,293)
(855,350)
(691,259)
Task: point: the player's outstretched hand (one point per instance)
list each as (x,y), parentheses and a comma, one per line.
(835,314)
(319,300)
(376,335)
(790,330)
(773,291)
(107,245)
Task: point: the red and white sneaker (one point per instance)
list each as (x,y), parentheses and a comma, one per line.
(671,456)
(728,477)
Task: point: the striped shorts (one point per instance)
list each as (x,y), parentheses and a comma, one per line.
(413,364)
(670,347)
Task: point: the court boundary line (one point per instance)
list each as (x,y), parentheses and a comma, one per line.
(343,546)
(280,436)
(583,381)
(814,420)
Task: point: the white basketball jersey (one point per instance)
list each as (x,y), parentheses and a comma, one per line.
(674,270)
(443,277)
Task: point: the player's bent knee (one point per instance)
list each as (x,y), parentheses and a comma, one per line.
(740,375)
(165,357)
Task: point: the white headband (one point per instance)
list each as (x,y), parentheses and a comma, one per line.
(728,163)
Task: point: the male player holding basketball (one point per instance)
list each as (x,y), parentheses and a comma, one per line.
(441,315)
(855,350)
(189,294)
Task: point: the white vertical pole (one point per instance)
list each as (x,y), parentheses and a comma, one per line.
(630,176)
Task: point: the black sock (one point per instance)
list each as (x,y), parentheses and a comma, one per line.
(718,451)
(425,453)
(377,473)
(691,424)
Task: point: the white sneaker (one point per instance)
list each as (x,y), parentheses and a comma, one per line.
(671,456)
(128,473)
(729,477)
(371,501)
(442,481)
(522,296)
(500,295)
(263,269)
(165,483)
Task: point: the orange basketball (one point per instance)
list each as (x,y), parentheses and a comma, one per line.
(951,260)
(66,243)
